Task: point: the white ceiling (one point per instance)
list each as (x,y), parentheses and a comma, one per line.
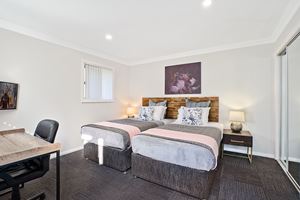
(145,31)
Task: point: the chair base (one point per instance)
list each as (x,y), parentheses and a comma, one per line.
(9,190)
(40,196)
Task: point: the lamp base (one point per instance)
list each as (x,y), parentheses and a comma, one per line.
(236,127)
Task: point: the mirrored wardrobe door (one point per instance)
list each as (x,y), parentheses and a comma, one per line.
(284,107)
(293,55)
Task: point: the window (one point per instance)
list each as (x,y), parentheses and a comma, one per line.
(97,83)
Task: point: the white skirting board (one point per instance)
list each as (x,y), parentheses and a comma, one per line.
(294,159)
(244,151)
(68,151)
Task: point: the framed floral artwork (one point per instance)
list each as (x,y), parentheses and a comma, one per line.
(183,79)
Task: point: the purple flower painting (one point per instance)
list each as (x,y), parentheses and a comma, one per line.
(183,79)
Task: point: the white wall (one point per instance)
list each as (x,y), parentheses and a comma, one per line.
(50,81)
(242,78)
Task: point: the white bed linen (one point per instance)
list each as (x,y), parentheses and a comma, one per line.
(109,138)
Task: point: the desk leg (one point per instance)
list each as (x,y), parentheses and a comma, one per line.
(16,193)
(58,175)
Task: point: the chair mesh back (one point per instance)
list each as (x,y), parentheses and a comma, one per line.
(47,129)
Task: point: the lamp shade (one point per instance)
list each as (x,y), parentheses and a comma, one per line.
(130,110)
(237,116)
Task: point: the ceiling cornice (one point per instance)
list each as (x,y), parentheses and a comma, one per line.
(287,16)
(47,38)
(204,51)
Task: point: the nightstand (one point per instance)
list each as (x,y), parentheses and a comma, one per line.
(244,139)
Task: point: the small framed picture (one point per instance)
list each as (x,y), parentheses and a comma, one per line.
(8,95)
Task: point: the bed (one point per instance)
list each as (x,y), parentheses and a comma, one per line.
(112,140)
(180,157)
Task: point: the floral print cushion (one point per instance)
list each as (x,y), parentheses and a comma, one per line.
(192,116)
(146,113)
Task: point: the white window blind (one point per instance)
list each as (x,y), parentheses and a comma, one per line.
(98,83)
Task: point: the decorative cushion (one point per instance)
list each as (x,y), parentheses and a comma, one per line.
(146,113)
(193,116)
(162,103)
(192,104)
(180,115)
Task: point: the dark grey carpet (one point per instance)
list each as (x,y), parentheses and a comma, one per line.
(236,180)
(294,169)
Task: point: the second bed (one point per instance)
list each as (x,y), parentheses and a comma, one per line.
(181,157)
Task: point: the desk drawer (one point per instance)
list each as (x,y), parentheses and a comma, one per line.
(238,140)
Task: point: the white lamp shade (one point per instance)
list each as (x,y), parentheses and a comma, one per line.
(130,110)
(237,116)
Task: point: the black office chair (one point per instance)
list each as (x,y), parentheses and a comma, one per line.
(18,174)
(47,130)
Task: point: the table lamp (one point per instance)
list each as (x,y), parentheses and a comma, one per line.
(130,112)
(236,118)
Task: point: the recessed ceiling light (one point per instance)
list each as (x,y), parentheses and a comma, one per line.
(206,3)
(108,37)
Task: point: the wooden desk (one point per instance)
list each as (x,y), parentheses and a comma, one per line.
(17,146)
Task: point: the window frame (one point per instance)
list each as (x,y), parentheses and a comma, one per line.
(83,79)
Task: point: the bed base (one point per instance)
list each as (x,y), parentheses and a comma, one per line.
(190,181)
(112,157)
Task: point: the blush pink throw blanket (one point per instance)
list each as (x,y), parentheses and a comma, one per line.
(184,136)
(131,130)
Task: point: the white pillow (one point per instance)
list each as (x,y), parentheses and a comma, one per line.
(199,113)
(205,114)
(163,114)
(159,112)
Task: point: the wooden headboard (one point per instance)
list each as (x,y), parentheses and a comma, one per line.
(174,103)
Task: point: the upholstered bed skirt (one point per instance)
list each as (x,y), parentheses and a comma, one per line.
(190,181)
(112,157)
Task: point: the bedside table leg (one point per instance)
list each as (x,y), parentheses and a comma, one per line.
(249,153)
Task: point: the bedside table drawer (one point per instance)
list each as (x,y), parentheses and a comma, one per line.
(237,140)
